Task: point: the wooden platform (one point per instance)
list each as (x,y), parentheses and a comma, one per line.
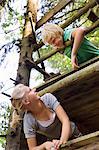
(78,93)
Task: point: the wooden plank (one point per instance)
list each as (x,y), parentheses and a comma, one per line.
(53,11)
(75,77)
(93,146)
(82,143)
(61,76)
(61,5)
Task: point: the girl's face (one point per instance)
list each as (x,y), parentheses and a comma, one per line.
(30,99)
(56,42)
(31,95)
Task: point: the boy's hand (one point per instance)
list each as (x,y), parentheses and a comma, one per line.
(74,62)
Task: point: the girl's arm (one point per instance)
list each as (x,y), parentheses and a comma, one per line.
(32,144)
(66,128)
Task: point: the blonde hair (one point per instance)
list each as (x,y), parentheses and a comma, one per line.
(17,96)
(49,31)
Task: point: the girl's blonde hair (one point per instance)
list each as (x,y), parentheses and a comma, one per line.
(51,31)
(17,96)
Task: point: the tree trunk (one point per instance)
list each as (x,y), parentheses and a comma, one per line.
(17,142)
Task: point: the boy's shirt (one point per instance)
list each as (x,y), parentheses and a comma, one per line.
(86,51)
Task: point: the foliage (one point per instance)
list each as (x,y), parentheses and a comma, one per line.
(4,122)
(5,113)
(2,142)
(58,60)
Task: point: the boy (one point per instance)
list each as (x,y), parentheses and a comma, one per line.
(80,51)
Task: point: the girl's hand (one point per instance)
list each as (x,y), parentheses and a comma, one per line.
(74,62)
(56,143)
(48,145)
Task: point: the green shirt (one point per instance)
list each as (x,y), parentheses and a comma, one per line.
(86,51)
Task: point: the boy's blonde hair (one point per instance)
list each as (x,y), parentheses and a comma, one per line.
(51,31)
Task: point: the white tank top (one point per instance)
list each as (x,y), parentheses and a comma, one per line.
(47,122)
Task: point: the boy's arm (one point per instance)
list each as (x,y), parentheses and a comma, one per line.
(78,36)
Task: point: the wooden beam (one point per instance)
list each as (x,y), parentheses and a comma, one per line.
(58,7)
(53,11)
(64,75)
(79,13)
(88,142)
(78,75)
(94,26)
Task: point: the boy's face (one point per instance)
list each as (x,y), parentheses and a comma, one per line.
(56,42)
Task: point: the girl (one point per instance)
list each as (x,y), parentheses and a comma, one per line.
(43,115)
